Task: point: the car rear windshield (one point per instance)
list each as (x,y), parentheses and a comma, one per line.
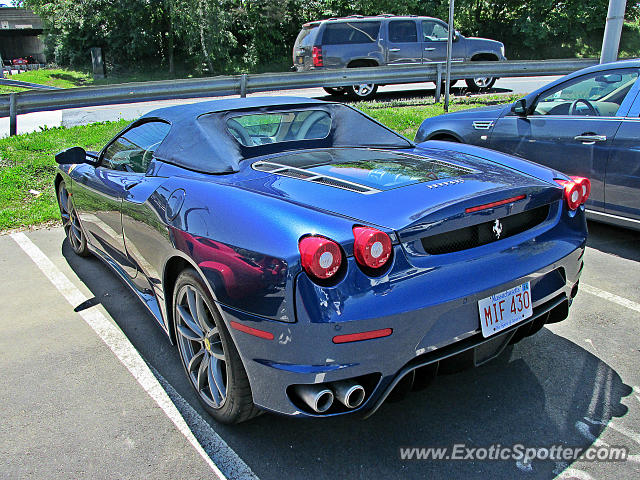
(350,32)
(306,36)
(262,128)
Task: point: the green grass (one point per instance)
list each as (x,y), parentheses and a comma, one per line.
(64,78)
(26,161)
(56,77)
(406,116)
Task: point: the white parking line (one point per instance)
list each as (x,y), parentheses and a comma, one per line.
(119,344)
(625,302)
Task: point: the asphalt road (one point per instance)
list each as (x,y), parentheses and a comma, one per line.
(82,116)
(71,409)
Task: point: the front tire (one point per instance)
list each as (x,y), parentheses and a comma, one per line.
(362,91)
(208,355)
(71,223)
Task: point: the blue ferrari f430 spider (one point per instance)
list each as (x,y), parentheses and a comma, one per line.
(309,261)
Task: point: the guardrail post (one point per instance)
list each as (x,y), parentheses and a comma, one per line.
(13,114)
(438,82)
(243,86)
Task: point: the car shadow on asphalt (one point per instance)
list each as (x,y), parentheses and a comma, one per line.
(544,391)
(617,241)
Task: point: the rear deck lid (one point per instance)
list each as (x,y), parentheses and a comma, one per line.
(364,170)
(398,190)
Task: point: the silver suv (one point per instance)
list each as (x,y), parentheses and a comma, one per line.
(358,41)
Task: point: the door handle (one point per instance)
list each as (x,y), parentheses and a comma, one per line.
(130,185)
(394,49)
(429,49)
(590,138)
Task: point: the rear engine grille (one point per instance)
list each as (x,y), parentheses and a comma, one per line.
(302,174)
(484,233)
(295,173)
(340,184)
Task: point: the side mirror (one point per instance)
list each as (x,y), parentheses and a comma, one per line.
(456,35)
(520,108)
(72,155)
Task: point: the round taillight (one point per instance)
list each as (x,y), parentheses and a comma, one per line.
(573,194)
(585,187)
(576,191)
(321,258)
(372,248)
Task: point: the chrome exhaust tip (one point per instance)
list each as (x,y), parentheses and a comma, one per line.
(350,394)
(318,397)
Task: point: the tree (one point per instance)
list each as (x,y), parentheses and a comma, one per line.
(225,36)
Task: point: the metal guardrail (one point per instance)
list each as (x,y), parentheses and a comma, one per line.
(21,84)
(36,101)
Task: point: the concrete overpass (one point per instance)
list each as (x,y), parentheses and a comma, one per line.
(19,34)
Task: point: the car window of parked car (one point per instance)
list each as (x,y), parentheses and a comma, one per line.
(595,94)
(433,31)
(403,31)
(305,37)
(350,32)
(133,150)
(262,128)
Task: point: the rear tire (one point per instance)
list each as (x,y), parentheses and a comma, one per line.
(335,91)
(444,86)
(209,356)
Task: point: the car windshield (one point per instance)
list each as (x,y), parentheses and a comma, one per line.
(598,93)
(262,128)
(594,88)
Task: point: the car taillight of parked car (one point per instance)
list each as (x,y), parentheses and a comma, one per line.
(321,258)
(372,248)
(316,55)
(576,191)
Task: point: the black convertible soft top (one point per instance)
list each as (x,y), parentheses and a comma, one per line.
(199,139)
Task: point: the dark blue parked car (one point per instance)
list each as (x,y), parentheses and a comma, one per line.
(586,124)
(309,261)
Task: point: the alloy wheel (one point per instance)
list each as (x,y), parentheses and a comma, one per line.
(363,89)
(201,346)
(478,84)
(71,222)
(483,82)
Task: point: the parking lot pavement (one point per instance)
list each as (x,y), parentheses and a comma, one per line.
(70,409)
(71,405)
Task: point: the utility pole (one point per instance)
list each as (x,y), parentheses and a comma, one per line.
(447,75)
(612,31)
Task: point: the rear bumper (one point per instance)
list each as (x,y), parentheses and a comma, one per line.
(471,352)
(445,328)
